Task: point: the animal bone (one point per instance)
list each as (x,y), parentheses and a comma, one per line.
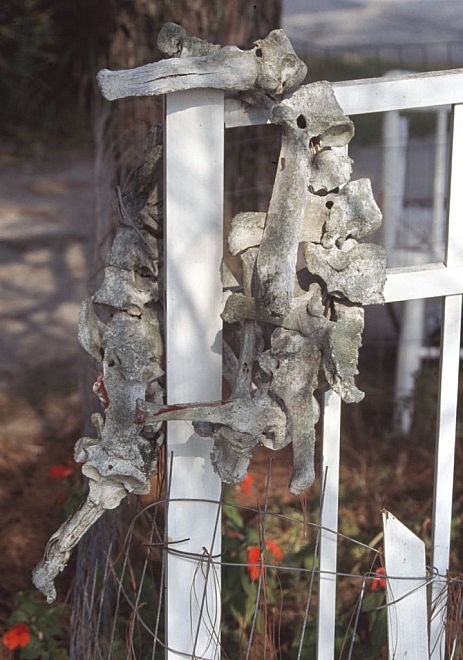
(271,66)
(173,41)
(306,129)
(356,271)
(129,348)
(352,214)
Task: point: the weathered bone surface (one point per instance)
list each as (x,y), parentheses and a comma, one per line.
(271,66)
(352,214)
(173,41)
(129,347)
(356,271)
(311,120)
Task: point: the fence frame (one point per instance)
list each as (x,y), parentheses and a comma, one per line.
(443,279)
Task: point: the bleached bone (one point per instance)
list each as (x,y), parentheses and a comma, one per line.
(130,349)
(272,66)
(356,271)
(312,120)
(294,366)
(259,417)
(339,362)
(126,289)
(246,231)
(231,453)
(135,250)
(173,41)
(247,354)
(102,496)
(352,214)
(239,307)
(331,170)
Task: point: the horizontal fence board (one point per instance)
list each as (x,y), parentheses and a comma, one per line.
(431,281)
(357,97)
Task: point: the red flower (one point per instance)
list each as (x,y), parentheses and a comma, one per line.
(247,483)
(255,558)
(379,582)
(275,550)
(62,471)
(17,636)
(61,500)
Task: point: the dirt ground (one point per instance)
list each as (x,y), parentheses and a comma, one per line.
(46,229)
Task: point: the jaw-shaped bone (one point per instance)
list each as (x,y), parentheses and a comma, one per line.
(312,120)
(272,66)
(357,271)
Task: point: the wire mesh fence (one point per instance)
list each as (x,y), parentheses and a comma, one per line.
(269,580)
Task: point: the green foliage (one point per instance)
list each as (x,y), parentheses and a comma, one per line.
(48,626)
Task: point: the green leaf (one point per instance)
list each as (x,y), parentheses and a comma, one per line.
(233,516)
(33,650)
(18,616)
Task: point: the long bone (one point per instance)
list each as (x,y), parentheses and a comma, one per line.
(259,417)
(271,66)
(311,120)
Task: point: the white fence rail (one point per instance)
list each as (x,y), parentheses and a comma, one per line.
(194,171)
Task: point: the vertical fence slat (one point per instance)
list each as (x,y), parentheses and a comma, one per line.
(329,523)
(448,399)
(444,467)
(407,615)
(194,133)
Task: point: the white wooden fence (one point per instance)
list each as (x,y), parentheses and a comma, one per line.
(194,130)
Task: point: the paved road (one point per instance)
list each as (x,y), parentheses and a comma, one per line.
(361,23)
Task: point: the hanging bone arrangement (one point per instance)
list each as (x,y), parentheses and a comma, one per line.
(305,279)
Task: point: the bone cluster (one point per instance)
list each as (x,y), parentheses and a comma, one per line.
(120,326)
(305,276)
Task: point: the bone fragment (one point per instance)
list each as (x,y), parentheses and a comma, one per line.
(295,377)
(246,231)
(357,271)
(173,41)
(352,214)
(272,66)
(340,360)
(260,416)
(331,170)
(127,290)
(102,496)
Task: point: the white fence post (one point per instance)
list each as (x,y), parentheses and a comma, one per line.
(329,525)
(448,400)
(194,134)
